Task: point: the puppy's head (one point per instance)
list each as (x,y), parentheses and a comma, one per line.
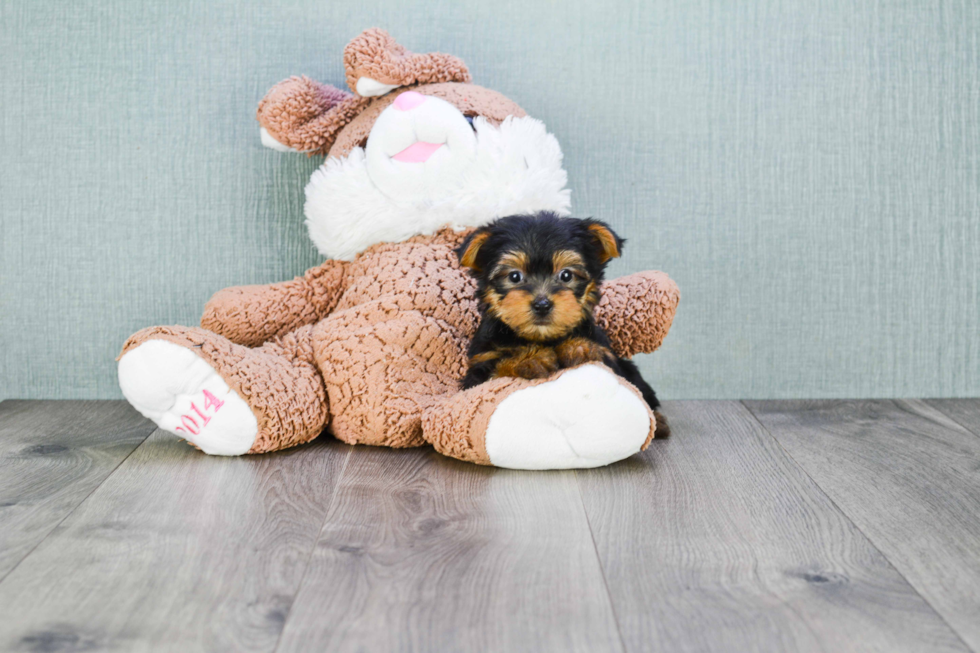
(540,274)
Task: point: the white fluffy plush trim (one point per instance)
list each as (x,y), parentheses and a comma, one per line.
(584,418)
(272,143)
(367,87)
(517,169)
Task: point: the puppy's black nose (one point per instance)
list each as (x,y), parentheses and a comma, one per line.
(542,306)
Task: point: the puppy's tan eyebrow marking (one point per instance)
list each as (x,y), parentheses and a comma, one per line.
(566,258)
(513,260)
(517,260)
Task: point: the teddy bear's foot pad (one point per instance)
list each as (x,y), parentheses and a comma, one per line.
(585,418)
(182,394)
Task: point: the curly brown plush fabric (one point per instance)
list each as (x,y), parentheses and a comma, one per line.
(251,315)
(306,115)
(636,311)
(376,55)
(457,426)
(400,328)
(279,381)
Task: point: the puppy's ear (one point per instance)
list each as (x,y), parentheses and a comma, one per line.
(468,251)
(610,245)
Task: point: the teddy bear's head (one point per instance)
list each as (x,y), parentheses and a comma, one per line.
(416,147)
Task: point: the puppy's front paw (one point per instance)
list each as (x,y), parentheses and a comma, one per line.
(576,351)
(536,368)
(529,363)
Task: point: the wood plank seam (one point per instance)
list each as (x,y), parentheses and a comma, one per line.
(201,552)
(316,542)
(856,526)
(451,557)
(602,570)
(152,430)
(974,429)
(717,541)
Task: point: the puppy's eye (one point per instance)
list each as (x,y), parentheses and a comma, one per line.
(565,276)
(515,277)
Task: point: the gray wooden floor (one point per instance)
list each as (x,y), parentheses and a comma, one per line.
(778,526)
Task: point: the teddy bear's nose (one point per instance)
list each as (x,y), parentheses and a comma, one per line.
(408,100)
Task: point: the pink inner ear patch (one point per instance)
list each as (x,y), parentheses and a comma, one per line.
(417,152)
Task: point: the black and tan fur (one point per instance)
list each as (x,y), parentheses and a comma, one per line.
(539,278)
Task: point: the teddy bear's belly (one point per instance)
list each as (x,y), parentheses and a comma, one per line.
(414,277)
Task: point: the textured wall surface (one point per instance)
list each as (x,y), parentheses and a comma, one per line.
(807,171)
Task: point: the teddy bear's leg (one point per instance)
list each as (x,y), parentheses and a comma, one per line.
(583,417)
(224,398)
(382,367)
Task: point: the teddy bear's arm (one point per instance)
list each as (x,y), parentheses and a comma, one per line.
(636,311)
(251,315)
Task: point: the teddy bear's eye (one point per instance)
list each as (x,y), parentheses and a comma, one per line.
(469,119)
(565,276)
(515,277)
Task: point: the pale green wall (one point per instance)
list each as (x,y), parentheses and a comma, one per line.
(807,171)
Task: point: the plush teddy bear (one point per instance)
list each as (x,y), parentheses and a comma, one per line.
(371,345)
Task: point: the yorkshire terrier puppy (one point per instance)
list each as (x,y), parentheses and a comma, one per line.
(539,278)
